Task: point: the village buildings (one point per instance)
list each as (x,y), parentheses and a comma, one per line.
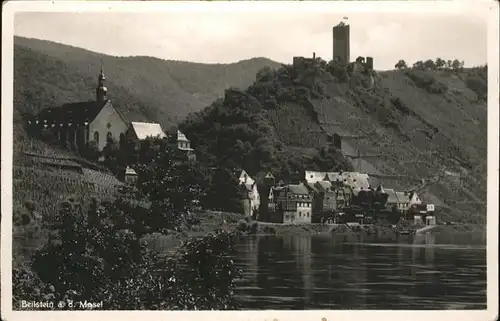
(336,193)
(292,203)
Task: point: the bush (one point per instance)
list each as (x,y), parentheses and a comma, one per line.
(254,227)
(427,81)
(242,225)
(92,259)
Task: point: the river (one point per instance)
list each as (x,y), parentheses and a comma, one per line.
(329,272)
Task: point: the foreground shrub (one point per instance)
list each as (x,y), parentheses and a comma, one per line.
(92,259)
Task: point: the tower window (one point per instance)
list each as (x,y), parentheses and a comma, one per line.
(96,137)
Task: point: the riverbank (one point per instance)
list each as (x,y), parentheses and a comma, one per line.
(210,221)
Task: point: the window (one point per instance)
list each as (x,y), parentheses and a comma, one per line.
(109,137)
(96,137)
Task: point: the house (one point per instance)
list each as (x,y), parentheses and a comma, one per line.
(130,176)
(423,214)
(139,131)
(293,203)
(392,200)
(251,200)
(407,200)
(81,123)
(183,144)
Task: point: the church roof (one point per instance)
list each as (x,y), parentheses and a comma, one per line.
(144,130)
(76,113)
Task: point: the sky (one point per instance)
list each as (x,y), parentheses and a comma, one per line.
(225,37)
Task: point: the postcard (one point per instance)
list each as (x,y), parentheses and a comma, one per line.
(249,160)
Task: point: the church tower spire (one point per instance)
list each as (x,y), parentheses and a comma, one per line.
(101,90)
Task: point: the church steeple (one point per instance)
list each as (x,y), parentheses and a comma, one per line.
(101,90)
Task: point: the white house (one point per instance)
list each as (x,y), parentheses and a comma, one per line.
(141,131)
(251,202)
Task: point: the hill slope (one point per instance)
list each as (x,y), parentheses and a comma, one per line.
(48,74)
(407,126)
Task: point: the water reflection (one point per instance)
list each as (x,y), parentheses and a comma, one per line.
(326,272)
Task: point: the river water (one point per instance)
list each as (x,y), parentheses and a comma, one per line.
(332,272)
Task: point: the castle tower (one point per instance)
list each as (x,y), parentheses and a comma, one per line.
(101,90)
(341,43)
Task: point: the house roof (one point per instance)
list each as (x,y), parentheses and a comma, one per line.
(246,180)
(402,197)
(269,175)
(144,130)
(323,185)
(356,180)
(181,137)
(392,197)
(77,113)
(311,186)
(130,171)
(381,189)
(313,177)
(299,189)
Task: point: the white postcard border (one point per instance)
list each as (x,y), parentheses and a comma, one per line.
(491,13)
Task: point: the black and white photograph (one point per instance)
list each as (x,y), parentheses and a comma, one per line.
(250,156)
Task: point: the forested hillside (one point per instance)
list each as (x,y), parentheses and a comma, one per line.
(48,74)
(422,127)
(415,127)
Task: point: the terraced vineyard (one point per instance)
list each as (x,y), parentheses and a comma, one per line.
(48,188)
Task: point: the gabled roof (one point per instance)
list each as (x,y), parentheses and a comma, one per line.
(381,189)
(402,197)
(312,176)
(269,175)
(311,187)
(392,197)
(299,189)
(77,113)
(130,171)
(246,181)
(245,178)
(322,186)
(181,137)
(144,130)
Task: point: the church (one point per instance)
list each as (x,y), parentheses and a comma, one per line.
(83,122)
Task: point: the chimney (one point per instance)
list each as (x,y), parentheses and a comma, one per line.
(314,55)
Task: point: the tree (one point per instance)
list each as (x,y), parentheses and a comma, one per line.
(91,151)
(419,65)
(224,193)
(264,74)
(440,63)
(171,185)
(401,64)
(455,65)
(111,155)
(449,64)
(92,259)
(429,64)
